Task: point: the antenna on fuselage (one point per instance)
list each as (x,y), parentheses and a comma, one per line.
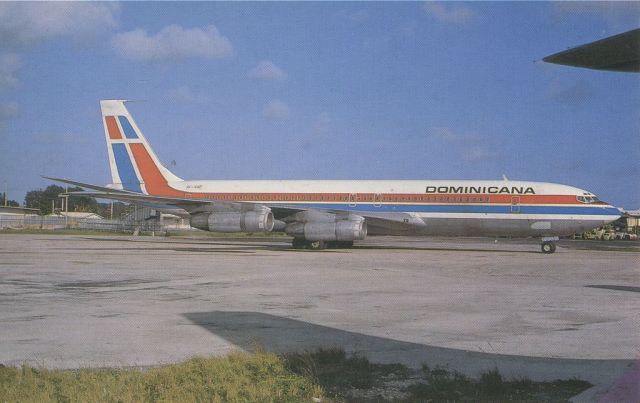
(504,177)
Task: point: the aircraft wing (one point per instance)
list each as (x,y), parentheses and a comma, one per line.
(615,53)
(88,185)
(190,205)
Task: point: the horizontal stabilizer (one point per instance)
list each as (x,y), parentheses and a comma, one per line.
(88,185)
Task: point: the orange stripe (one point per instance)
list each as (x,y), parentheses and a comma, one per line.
(413,198)
(153,180)
(112,128)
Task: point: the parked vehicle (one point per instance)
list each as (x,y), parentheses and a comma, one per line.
(602,234)
(626,236)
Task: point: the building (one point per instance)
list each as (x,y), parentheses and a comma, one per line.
(77,215)
(631,219)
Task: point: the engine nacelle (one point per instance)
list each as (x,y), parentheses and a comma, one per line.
(344,230)
(248,221)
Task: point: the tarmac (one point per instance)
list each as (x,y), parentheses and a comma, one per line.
(469,304)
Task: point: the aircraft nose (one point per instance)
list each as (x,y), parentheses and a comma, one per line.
(615,213)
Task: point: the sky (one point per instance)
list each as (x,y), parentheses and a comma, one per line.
(321,90)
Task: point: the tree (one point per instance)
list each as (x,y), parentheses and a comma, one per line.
(41,199)
(44,199)
(34,199)
(10,203)
(82,203)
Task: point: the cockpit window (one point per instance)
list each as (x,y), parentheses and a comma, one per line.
(587,199)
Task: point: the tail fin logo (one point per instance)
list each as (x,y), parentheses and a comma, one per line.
(134,166)
(114,130)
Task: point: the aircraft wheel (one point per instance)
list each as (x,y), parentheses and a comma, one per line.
(298,243)
(316,245)
(548,247)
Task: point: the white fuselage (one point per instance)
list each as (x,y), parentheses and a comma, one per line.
(515,208)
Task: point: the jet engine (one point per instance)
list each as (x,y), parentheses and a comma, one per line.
(344,230)
(247,221)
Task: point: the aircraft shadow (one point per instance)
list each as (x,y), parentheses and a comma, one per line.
(442,249)
(248,330)
(247,245)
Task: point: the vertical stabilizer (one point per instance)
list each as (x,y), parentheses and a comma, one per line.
(134,165)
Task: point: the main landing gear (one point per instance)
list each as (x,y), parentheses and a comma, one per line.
(301,243)
(548,245)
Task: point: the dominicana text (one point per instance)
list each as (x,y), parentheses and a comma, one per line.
(481,189)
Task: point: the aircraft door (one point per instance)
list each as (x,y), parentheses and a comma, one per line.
(377,200)
(515,204)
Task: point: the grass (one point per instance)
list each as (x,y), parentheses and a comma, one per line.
(239,377)
(327,375)
(443,385)
(60,231)
(356,379)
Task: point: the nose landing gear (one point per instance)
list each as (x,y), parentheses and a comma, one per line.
(548,245)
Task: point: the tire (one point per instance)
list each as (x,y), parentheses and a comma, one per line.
(548,247)
(316,245)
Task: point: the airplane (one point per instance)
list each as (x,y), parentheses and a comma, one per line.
(335,213)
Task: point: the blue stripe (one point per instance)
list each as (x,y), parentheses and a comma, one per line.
(125,168)
(127,128)
(461,208)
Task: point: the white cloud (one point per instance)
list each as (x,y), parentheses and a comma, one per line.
(617,15)
(184,94)
(446,134)
(575,94)
(266,70)
(477,153)
(8,110)
(469,146)
(452,14)
(22,24)
(9,65)
(172,43)
(276,110)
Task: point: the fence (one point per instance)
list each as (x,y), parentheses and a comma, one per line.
(60,222)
